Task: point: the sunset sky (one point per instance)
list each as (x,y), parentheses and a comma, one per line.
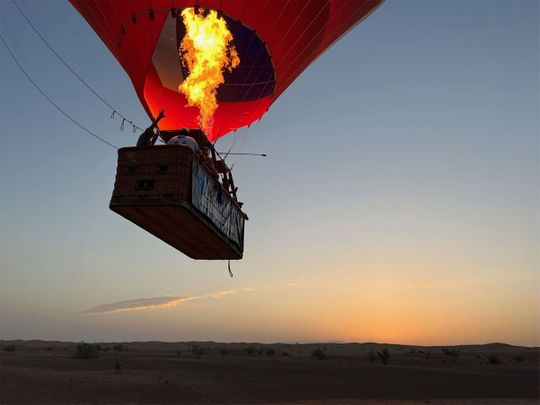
(399,201)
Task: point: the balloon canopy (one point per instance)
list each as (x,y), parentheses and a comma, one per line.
(275,41)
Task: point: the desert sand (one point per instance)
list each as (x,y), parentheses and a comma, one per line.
(39,372)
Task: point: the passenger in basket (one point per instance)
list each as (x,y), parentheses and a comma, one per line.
(183,138)
(149,136)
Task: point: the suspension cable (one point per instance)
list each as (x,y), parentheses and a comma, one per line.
(49,100)
(114,110)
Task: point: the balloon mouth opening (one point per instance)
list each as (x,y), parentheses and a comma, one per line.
(252,79)
(245,95)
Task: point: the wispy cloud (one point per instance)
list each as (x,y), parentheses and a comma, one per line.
(291,285)
(167,301)
(139,304)
(282,286)
(222,293)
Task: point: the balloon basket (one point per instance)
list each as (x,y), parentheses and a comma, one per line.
(168,191)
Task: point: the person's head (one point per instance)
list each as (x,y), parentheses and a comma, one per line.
(183,132)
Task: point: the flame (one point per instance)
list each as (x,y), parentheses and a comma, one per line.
(206,51)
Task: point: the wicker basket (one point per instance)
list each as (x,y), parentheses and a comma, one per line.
(154,189)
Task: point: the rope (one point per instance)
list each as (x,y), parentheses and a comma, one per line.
(114,110)
(49,100)
(233,143)
(229,267)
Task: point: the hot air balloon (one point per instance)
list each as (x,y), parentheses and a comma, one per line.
(274,40)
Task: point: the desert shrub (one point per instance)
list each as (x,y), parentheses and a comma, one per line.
(493,359)
(270,352)
(427,355)
(318,354)
(384,356)
(451,352)
(10,348)
(250,351)
(197,351)
(224,352)
(85,351)
(118,365)
(120,348)
(519,359)
(372,357)
(284,353)
(260,352)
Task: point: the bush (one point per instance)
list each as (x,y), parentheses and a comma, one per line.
(493,359)
(10,348)
(250,351)
(270,352)
(519,359)
(86,351)
(118,365)
(260,352)
(285,353)
(372,357)
(197,351)
(451,352)
(318,354)
(119,348)
(384,356)
(427,356)
(224,352)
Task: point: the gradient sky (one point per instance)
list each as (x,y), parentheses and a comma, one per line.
(399,202)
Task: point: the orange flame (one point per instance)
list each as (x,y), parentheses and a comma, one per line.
(206,51)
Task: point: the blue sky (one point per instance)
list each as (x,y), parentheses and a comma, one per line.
(399,201)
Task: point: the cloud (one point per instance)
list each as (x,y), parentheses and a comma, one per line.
(222,293)
(167,301)
(282,286)
(139,304)
(291,285)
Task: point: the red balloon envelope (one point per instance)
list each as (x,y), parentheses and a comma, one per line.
(275,40)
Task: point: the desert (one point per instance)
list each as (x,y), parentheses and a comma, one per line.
(41,372)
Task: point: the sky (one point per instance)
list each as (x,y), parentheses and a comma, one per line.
(399,201)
